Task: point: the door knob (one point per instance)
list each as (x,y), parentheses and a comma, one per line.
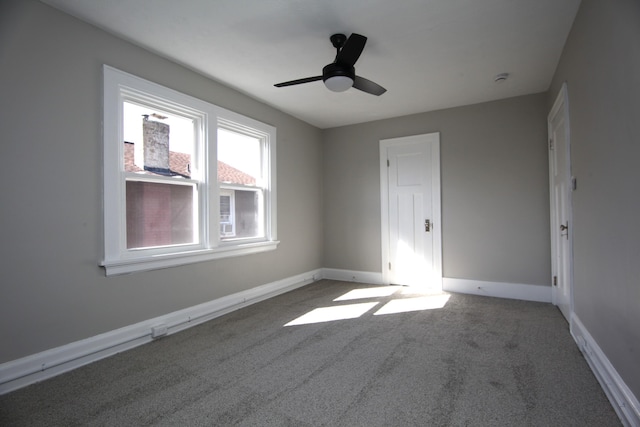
(563,227)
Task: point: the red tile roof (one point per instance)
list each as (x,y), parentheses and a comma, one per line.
(179,163)
(229,174)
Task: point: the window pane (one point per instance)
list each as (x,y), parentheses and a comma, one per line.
(239,158)
(157,142)
(227,218)
(225,208)
(159,214)
(240,163)
(248,218)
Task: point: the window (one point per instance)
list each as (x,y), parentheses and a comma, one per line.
(184,180)
(241,180)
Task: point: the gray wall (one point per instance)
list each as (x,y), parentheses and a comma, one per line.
(601,65)
(495,197)
(52,290)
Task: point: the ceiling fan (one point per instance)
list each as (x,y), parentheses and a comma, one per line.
(340,75)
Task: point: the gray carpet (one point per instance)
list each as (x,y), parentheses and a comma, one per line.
(475,362)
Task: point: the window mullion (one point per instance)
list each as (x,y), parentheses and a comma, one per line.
(212,206)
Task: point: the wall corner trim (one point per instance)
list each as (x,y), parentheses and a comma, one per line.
(539,293)
(28,370)
(624,402)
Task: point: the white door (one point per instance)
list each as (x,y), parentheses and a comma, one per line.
(561,186)
(410,182)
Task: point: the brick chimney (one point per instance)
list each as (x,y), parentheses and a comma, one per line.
(155,137)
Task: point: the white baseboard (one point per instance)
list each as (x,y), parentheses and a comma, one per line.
(464,286)
(37,367)
(622,399)
(352,276)
(498,289)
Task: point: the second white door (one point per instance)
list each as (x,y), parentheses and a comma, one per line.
(561,218)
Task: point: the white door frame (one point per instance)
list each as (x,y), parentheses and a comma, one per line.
(436,227)
(561,105)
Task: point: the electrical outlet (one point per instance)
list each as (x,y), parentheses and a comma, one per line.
(159,331)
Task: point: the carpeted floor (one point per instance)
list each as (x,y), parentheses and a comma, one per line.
(399,360)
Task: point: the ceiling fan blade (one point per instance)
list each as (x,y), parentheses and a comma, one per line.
(368,86)
(299,81)
(351,50)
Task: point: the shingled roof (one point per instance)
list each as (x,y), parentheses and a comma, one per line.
(179,165)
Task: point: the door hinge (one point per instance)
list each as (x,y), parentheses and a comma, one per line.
(388,163)
(389,266)
(563,228)
(555,280)
(550,143)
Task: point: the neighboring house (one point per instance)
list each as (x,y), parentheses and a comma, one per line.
(145,224)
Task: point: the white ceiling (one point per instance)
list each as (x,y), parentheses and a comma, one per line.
(428,54)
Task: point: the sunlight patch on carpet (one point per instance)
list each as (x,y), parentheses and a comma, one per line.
(378,291)
(329,314)
(404,305)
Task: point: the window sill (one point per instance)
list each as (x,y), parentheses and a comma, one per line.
(124,266)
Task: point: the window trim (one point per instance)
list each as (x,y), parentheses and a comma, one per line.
(117,259)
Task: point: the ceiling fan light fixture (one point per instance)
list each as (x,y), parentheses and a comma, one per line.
(338,83)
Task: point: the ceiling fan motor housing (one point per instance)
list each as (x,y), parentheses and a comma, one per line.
(333,70)
(338,77)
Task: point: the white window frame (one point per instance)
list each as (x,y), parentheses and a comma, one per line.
(120,86)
